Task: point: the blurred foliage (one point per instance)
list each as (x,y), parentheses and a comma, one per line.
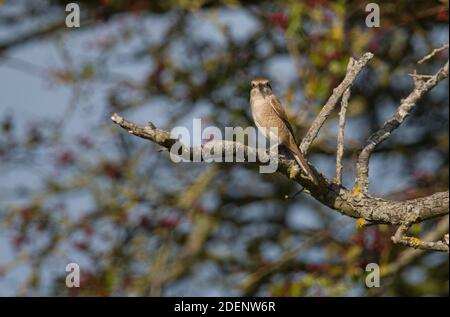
(157,228)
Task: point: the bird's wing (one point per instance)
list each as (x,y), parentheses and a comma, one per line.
(278,108)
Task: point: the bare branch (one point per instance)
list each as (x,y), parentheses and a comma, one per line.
(209,150)
(434,52)
(335,196)
(410,255)
(350,76)
(400,237)
(341,136)
(149,132)
(341,133)
(421,86)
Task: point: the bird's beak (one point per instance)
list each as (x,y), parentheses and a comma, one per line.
(262,90)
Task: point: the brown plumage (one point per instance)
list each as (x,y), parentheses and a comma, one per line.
(268,112)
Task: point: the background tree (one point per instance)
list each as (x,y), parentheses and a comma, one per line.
(140,225)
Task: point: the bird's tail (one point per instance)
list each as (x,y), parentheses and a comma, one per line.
(305,167)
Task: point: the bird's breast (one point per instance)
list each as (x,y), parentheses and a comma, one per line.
(263,115)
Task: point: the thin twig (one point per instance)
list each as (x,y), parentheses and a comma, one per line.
(434,52)
(341,133)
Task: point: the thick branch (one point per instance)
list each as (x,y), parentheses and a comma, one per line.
(328,193)
(421,86)
(353,70)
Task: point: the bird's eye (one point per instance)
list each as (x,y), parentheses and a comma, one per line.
(253,85)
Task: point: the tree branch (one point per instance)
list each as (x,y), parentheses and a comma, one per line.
(341,133)
(434,52)
(353,70)
(327,192)
(411,254)
(421,86)
(400,237)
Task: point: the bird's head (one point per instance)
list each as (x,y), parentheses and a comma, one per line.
(260,87)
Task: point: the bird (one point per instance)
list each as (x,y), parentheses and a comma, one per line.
(267,113)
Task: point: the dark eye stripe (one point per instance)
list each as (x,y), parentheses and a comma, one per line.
(267,84)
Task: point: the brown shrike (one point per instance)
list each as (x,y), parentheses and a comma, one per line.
(268,113)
